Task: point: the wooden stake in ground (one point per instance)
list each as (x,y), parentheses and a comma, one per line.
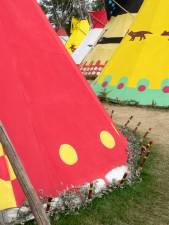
(90,191)
(128,121)
(34,202)
(137,126)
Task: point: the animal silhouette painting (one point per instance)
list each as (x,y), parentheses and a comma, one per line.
(139,34)
(165,33)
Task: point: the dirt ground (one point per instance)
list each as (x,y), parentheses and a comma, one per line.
(156,119)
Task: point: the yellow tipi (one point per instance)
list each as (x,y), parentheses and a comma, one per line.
(79,30)
(139,69)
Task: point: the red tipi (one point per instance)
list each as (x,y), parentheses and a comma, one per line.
(99,18)
(58,127)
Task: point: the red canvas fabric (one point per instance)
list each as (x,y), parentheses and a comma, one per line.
(99,18)
(46,102)
(19,197)
(4,174)
(61,32)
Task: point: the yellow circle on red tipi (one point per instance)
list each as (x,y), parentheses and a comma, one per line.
(107,139)
(68,154)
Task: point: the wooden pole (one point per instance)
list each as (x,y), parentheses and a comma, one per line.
(31,195)
(82,8)
(125,10)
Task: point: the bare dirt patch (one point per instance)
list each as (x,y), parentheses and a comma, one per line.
(158,120)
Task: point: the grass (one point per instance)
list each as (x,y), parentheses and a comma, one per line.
(144,203)
(131,103)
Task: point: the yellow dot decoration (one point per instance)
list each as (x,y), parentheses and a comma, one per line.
(68,154)
(107,139)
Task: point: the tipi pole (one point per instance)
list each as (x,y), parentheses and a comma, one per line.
(82,6)
(125,10)
(34,202)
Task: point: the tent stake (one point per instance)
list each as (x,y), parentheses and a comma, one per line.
(34,202)
(137,126)
(128,121)
(112,114)
(90,191)
(147,132)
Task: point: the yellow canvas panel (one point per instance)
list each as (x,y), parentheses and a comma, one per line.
(74,23)
(117,27)
(79,31)
(139,69)
(7,198)
(1,150)
(102,53)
